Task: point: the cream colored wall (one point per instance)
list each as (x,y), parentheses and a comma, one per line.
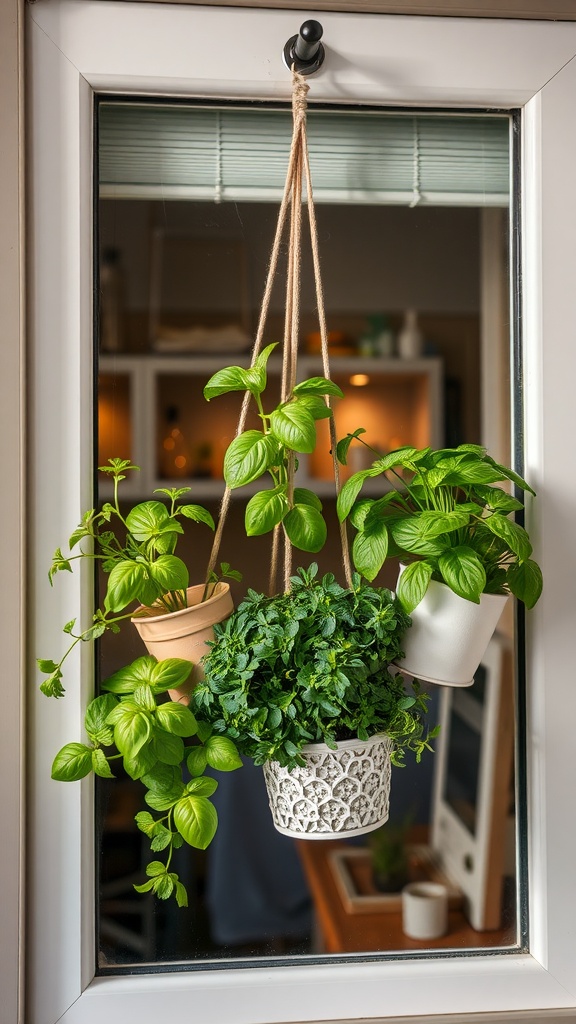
(12,476)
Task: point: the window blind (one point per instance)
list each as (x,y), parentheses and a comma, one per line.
(226,154)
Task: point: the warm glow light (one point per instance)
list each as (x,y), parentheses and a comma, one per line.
(359,380)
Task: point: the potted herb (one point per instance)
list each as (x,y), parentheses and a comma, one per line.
(136,552)
(287,431)
(132,723)
(301,683)
(461,555)
(389,856)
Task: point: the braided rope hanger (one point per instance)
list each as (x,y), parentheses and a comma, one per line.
(297,173)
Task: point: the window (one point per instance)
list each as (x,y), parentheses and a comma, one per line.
(78,49)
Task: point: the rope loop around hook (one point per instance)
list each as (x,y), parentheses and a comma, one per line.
(297,174)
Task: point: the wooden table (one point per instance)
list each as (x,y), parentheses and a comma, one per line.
(375,931)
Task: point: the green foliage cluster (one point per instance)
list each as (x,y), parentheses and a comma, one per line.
(447,520)
(133,723)
(136,552)
(290,429)
(310,666)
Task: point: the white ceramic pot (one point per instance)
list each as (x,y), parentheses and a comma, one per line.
(184,634)
(339,793)
(449,635)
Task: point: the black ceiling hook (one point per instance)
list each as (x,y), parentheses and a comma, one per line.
(305,51)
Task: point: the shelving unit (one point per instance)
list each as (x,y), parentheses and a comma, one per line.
(397,402)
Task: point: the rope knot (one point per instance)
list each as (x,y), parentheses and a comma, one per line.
(300,90)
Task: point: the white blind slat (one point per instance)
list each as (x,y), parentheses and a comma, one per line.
(148,150)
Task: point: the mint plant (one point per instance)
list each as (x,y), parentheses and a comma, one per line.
(132,723)
(288,430)
(311,666)
(137,554)
(445,519)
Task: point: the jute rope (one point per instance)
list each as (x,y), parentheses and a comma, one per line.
(298,171)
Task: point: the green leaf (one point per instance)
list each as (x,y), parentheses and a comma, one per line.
(473,473)
(413,584)
(498,499)
(463,571)
(145,822)
(370,548)
(164,886)
(293,426)
(435,524)
(344,444)
(71,763)
(349,493)
(169,572)
(202,787)
(318,386)
(248,457)
(525,581)
(165,779)
(161,840)
(221,754)
(143,696)
(177,719)
(230,378)
(145,761)
(265,510)
(181,895)
(127,679)
(132,728)
(302,496)
(305,528)
(197,761)
(196,820)
(145,887)
(168,748)
(150,519)
(509,474)
(124,584)
(155,868)
(45,665)
(162,801)
(100,764)
(407,457)
(169,674)
(197,514)
(512,534)
(316,406)
(408,537)
(95,719)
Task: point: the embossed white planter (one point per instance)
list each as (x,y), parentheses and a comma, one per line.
(339,793)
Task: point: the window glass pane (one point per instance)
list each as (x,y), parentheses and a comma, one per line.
(185,221)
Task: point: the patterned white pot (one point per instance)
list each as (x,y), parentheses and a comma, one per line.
(339,793)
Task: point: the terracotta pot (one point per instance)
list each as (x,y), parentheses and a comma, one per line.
(184,634)
(449,635)
(339,793)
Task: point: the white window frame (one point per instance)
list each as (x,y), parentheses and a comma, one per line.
(81,46)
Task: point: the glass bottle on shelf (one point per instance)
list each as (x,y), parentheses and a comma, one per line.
(175,457)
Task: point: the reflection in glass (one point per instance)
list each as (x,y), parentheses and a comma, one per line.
(180,298)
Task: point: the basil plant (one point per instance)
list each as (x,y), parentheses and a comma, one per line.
(440,512)
(163,745)
(286,431)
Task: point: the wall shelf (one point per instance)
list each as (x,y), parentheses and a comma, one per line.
(142,398)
